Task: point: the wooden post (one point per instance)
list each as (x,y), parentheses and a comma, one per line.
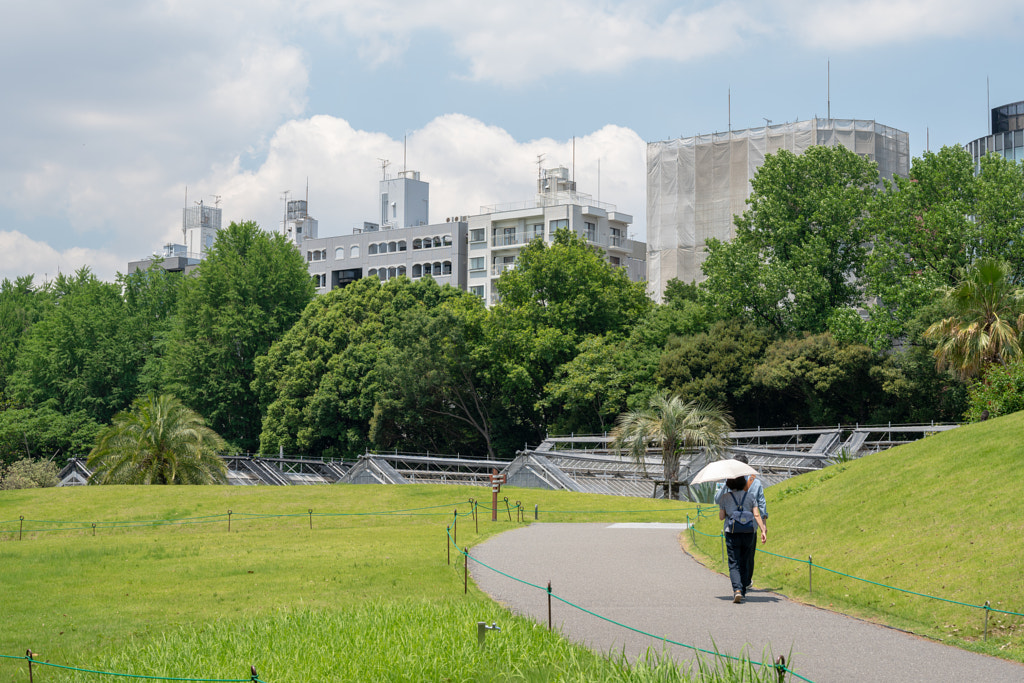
(549,605)
(465,572)
(810,575)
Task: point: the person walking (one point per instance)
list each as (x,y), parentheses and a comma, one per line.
(742,515)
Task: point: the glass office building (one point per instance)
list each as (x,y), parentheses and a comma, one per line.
(1007,136)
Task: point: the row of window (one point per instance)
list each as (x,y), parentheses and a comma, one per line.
(382,248)
(418,270)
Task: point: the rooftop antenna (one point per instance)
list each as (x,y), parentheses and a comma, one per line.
(729,91)
(307,191)
(184,232)
(599,180)
(540,160)
(284,220)
(216,200)
(828,88)
(988,105)
(767,122)
(574,158)
(405,152)
(384,163)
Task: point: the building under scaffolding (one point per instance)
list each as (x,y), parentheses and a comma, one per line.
(696,185)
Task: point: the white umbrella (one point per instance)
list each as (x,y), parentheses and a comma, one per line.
(722,469)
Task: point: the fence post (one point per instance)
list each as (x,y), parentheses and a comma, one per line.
(229,521)
(94,528)
(455,528)
(255,677)
(448,543)
(465,572)
(780,668)
(549,605)
(28,656)
(21,525)
(310,519)
(810,575)
(535,511)
(987,608)
(508,509)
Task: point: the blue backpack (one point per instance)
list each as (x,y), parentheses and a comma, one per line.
(740,521)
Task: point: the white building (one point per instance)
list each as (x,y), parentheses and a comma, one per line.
(499,233)
(298,224)
(403,243)
(200,224)
(696,185)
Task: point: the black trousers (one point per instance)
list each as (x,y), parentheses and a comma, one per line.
(741,548)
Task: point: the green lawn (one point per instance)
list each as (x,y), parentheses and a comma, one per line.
(941,516)
(357,597)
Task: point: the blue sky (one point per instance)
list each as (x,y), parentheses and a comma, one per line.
(113,108)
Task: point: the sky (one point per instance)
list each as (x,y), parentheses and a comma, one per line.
(116,114)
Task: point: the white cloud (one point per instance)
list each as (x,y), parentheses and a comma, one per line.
(467,163)
(519,42)
(22,255)
(851,24)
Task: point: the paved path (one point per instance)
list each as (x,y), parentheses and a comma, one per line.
(639,576)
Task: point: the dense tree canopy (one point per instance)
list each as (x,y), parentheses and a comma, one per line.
(250,290)
(801,245)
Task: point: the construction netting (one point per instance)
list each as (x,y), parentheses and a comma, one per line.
(696,185)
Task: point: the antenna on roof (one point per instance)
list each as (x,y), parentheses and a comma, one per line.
(540,160)
(828,88)
(730,108)
(284,220)
(384,163)
(216,200)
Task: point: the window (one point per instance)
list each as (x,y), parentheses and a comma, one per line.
(309,256)
(417,271)
(446,268)
(401,270)
(354,252)
(557,224)
(447,239)
(401,245)
(382,248)
(437,268)
(477,235)
(384,208)
(371,272)
(614,260)
(437,241)
(591,232)
(417,244)
(298,229)
(477,290)
(339,253)
(372,249)
(538,230)
(477,263)
(392,272)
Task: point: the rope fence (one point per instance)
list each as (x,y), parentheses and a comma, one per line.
(30,659)
(811,566)
(779,667)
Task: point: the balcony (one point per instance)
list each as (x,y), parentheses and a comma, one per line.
(501,268)
(505,240)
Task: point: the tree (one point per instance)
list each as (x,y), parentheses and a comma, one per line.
(249,291)
(21,305)
(987,321)
(84,353)
(158,441)
(1001,393)
(555,297)
(717,367)
(676,425)
(800,246)
(29,473)
(926,228)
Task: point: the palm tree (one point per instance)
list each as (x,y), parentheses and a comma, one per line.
(158,441)
(675,425)
(987,321)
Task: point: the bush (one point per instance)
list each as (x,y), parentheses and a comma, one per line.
(29,474)
(1000,393)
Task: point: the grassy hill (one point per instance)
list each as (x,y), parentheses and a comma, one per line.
(941,516)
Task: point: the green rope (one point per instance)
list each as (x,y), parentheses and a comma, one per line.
(876,583)
(123,675)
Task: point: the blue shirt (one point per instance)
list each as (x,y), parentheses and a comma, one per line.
(756,491)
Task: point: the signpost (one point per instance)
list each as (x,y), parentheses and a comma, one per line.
(496,481)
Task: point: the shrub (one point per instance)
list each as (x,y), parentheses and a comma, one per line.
(28,473)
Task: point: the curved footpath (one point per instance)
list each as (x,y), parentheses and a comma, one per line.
(639,576)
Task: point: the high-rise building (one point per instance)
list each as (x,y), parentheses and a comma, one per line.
(1007,136)
(200,224)
(298,224)
(696,185)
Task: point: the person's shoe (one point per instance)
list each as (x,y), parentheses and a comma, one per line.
(737,597)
